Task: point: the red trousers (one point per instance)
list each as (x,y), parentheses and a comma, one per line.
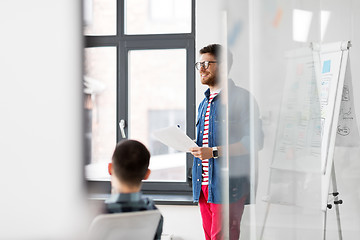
(211,215)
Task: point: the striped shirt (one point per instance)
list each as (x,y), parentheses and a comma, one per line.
(205,162)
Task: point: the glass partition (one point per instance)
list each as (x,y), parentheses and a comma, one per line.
(296,63)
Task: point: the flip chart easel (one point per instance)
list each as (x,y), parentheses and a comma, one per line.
(317,112)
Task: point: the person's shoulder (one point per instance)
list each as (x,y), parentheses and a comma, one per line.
(238,92)
(242,91)
(235,87)
(150,204)
(115,207)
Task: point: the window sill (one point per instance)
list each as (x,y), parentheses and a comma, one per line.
(159,199)
(161,193)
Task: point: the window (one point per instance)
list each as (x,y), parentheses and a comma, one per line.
(141,74)
(157,16)
(157,99)
(100,104)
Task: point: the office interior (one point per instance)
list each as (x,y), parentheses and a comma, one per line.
(70,73)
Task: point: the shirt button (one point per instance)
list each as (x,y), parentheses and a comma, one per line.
(198,180)
(200,131)
(198,164)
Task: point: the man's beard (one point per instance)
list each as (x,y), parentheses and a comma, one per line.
(212,81)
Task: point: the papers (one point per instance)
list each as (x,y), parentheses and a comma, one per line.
(174,137)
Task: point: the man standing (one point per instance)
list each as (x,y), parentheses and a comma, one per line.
(206,175)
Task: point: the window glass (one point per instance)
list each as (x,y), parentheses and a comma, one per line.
(157,99)
(100,108)
(157,16)
(99,17)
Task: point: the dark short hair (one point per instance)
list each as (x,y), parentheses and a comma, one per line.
(215,50)
(130,161)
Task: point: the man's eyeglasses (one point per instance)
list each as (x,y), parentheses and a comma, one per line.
(204,64)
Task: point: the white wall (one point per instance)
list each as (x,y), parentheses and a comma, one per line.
(208,29)
(41,120)
(182,222)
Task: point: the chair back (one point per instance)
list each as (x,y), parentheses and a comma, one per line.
(128,226)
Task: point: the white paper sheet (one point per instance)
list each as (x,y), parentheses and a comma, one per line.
(175,138)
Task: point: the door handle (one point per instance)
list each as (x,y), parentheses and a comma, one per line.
(122,126)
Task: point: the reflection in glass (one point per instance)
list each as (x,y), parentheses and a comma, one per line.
(301,25)
(243,139)
(158,16)
(100,105)
(157,99)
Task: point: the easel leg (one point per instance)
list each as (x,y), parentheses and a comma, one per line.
(336,203)
(324,233)
(338,221)
(336,199)
(265,219)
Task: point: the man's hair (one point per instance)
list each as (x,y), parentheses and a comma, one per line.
(215,50)
(130,162)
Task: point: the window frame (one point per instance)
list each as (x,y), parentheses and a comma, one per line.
(125,43)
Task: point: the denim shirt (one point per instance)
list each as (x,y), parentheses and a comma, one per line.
(239,131)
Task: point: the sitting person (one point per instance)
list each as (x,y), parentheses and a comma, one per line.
(130,162)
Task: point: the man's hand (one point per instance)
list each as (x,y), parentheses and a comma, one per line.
(202,152)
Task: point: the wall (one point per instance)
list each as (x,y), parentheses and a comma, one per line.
(41,120)
(182,222)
